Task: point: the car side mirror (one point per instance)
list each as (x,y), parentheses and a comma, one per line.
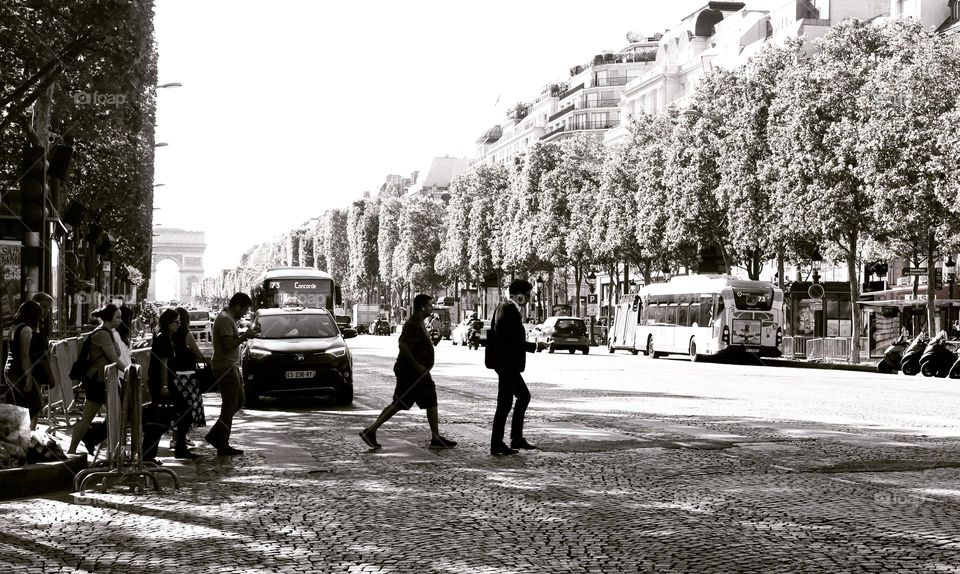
(348,333)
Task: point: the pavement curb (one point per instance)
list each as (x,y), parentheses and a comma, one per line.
(865,368)
(41,478)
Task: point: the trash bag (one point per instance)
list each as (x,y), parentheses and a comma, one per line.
(44,449)
(15,425)
(18,456)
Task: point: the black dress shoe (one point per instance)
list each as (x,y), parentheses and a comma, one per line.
(502,449)
(522,444)
(184,453)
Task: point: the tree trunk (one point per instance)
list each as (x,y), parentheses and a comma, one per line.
(854,297)
(577,276)
(626,278)
(645,268)
(931,284)
(780,279)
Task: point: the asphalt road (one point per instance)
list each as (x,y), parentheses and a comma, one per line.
(645,466)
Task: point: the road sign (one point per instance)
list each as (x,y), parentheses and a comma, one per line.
(593,308)
(815,304)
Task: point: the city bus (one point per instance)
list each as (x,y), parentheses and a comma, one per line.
(304,286)
(702,315)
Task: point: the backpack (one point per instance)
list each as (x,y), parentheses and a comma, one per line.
(78,371)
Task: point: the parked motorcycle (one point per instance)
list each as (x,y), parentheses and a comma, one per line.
(435,336)
(910,363)
(892,356)
(954,370)
(938,357)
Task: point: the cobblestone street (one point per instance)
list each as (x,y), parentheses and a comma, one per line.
(616,489)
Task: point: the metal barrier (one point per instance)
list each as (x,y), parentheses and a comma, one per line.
(834,349)
(124,458)
(61,401)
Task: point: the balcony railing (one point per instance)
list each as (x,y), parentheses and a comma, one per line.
(570,92)
(613,81)
(565,110)
(582,126)
(601,104)
(554,132)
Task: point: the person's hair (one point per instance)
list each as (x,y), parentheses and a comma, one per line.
(518,286)
(240,300)
(29,314)
(420,301)
(126,315)
(106,312)
(42,298)
(184,328)
(166,319)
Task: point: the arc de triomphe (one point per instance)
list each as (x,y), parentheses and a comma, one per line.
(185,248)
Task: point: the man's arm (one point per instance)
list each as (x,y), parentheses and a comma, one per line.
(230,341)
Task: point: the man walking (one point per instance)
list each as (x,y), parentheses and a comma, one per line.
(226,371)
(414,383)
(506,353)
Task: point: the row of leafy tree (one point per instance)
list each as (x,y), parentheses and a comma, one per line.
(83,73)
(852,149)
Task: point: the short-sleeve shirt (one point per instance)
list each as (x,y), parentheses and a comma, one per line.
(415,335)
(224,328)
(101,338)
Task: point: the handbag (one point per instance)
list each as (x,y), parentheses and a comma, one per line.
(205,378)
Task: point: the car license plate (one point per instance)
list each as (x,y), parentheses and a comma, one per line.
(753,349)
(300,374)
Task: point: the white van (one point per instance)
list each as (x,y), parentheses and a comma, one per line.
(201,326)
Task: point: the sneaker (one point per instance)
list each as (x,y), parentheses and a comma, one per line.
(228,451)
(369,438)
(442,442)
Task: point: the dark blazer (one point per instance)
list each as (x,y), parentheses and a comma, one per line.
(507,340)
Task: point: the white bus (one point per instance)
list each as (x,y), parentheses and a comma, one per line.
(702,315)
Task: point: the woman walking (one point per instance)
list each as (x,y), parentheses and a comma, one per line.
(104,350)
(186,356)
(161,379)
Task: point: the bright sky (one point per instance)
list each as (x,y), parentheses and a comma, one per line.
(289,108)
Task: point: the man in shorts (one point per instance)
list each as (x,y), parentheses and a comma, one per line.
(415,386)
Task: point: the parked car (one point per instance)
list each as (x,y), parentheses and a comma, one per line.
(343,321)
(561,332)
(298,352)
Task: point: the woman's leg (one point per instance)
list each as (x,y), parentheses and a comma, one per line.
(90,410)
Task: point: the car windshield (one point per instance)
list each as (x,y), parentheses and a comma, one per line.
(199,316)
(297,326)
(571,326)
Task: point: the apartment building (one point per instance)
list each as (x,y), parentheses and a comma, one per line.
(726,35)
(434,181)
(587,102)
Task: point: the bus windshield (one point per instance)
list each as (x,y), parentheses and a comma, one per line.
(297,326)
(312,293)
(753,299)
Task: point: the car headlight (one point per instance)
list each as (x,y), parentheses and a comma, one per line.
(336,351)
(259,353)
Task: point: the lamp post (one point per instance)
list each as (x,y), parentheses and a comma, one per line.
(815,260)
(591,281)
(540,298)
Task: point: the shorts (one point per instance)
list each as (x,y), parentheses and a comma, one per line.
(95,391)
(412,390)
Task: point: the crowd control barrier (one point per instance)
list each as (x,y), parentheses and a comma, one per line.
(124,464)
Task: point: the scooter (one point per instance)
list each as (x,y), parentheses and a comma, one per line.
(435,336)
(473,338)
(910,363)
(892,356)
(938,357)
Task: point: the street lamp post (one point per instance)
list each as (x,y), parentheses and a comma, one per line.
(540,298)
(591,281)
(815,260)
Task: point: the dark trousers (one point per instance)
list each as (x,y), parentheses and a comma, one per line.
(231,393)
(153,431)
(510,385)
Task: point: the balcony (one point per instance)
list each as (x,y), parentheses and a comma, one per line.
(565,110)
(600,104)
(612,81)
(553,132)
(594,125)
(570,92)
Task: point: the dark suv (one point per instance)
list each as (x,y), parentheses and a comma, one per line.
(298,352)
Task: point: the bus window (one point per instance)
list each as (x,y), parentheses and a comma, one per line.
(683,315)
(694,315)
(706,311)
(718,310)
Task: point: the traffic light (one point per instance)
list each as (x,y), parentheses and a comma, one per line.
(33,188)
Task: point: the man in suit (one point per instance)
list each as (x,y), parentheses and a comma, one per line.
(506,353)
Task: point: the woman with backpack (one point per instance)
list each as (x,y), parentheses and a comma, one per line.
(103,350)
(27,361)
